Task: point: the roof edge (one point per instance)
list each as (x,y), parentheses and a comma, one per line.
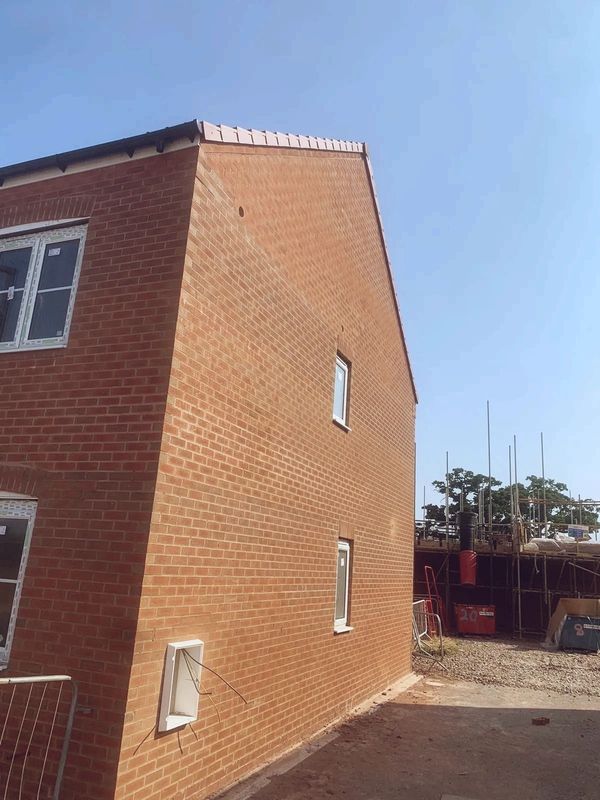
(158,139)
(237,135)
(389,267)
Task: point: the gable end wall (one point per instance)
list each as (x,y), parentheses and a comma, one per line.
(256,484)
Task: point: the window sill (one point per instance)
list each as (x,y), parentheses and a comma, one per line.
(341,424)
(29,347)
(3,667)
(177,721)
(342,629)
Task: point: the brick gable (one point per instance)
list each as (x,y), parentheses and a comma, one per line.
(256,483)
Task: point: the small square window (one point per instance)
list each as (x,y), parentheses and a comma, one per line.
(342,586)
(340,391)
(38,280)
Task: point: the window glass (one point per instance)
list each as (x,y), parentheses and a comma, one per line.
(342,583)
(14,265)
(7,596)
(16,523)
(12,542)
(9,315)
(339,392)
(58,265)
(49,314)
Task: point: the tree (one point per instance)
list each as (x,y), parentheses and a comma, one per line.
(560,508)
(465,483)
(468,484)
(502,504)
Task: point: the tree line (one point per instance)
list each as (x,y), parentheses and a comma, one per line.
(464,486)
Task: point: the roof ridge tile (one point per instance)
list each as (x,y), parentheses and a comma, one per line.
(237,135)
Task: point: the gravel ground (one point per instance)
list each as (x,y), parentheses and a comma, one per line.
(519,663)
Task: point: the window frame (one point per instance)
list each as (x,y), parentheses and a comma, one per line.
(340,624)
(344,365)
(38,240)
(16,509)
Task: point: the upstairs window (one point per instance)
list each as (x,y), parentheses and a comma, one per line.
(38,280)
(340,391)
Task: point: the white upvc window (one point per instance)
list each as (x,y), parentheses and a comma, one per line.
(340,391)
(38,280)
(342,586)
(16,526)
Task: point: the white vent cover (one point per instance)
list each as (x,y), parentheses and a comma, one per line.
(181,684)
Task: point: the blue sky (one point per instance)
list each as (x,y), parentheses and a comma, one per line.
(482,121)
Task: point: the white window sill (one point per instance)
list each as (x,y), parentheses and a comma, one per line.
(29,347)
(177,721)
(342,629)
(341,424)
(3,667)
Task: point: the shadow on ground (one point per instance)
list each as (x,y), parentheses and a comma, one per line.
(453,738)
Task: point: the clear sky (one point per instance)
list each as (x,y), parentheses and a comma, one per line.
(482,119)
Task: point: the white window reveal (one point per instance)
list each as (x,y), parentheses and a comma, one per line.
(181,684)
(16,526)
(342,587)
(38,281)
(340,391)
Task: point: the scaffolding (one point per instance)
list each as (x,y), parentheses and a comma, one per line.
(525,587)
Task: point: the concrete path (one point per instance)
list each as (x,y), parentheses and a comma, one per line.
(449,739)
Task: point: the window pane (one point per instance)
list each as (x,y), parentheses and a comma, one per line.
(12,541)
(9,314)
(13,267)
(49,314)
(7,596)
(58,265)
(342,580)
(339,391)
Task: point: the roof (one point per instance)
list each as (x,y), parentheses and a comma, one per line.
(127,146)
(159,139)
(196,130)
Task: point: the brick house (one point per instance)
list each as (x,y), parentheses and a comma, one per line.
(206,441)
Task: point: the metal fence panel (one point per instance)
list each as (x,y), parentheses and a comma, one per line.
(36,721)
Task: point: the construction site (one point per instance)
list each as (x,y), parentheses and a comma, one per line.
(518,573)
(530,574)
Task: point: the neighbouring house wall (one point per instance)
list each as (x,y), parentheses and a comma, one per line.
(80,429)
(256,483)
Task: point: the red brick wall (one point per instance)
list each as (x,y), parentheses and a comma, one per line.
(80,428)
(257,483)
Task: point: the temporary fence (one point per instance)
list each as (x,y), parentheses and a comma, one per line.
(36,721)
(426,625)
